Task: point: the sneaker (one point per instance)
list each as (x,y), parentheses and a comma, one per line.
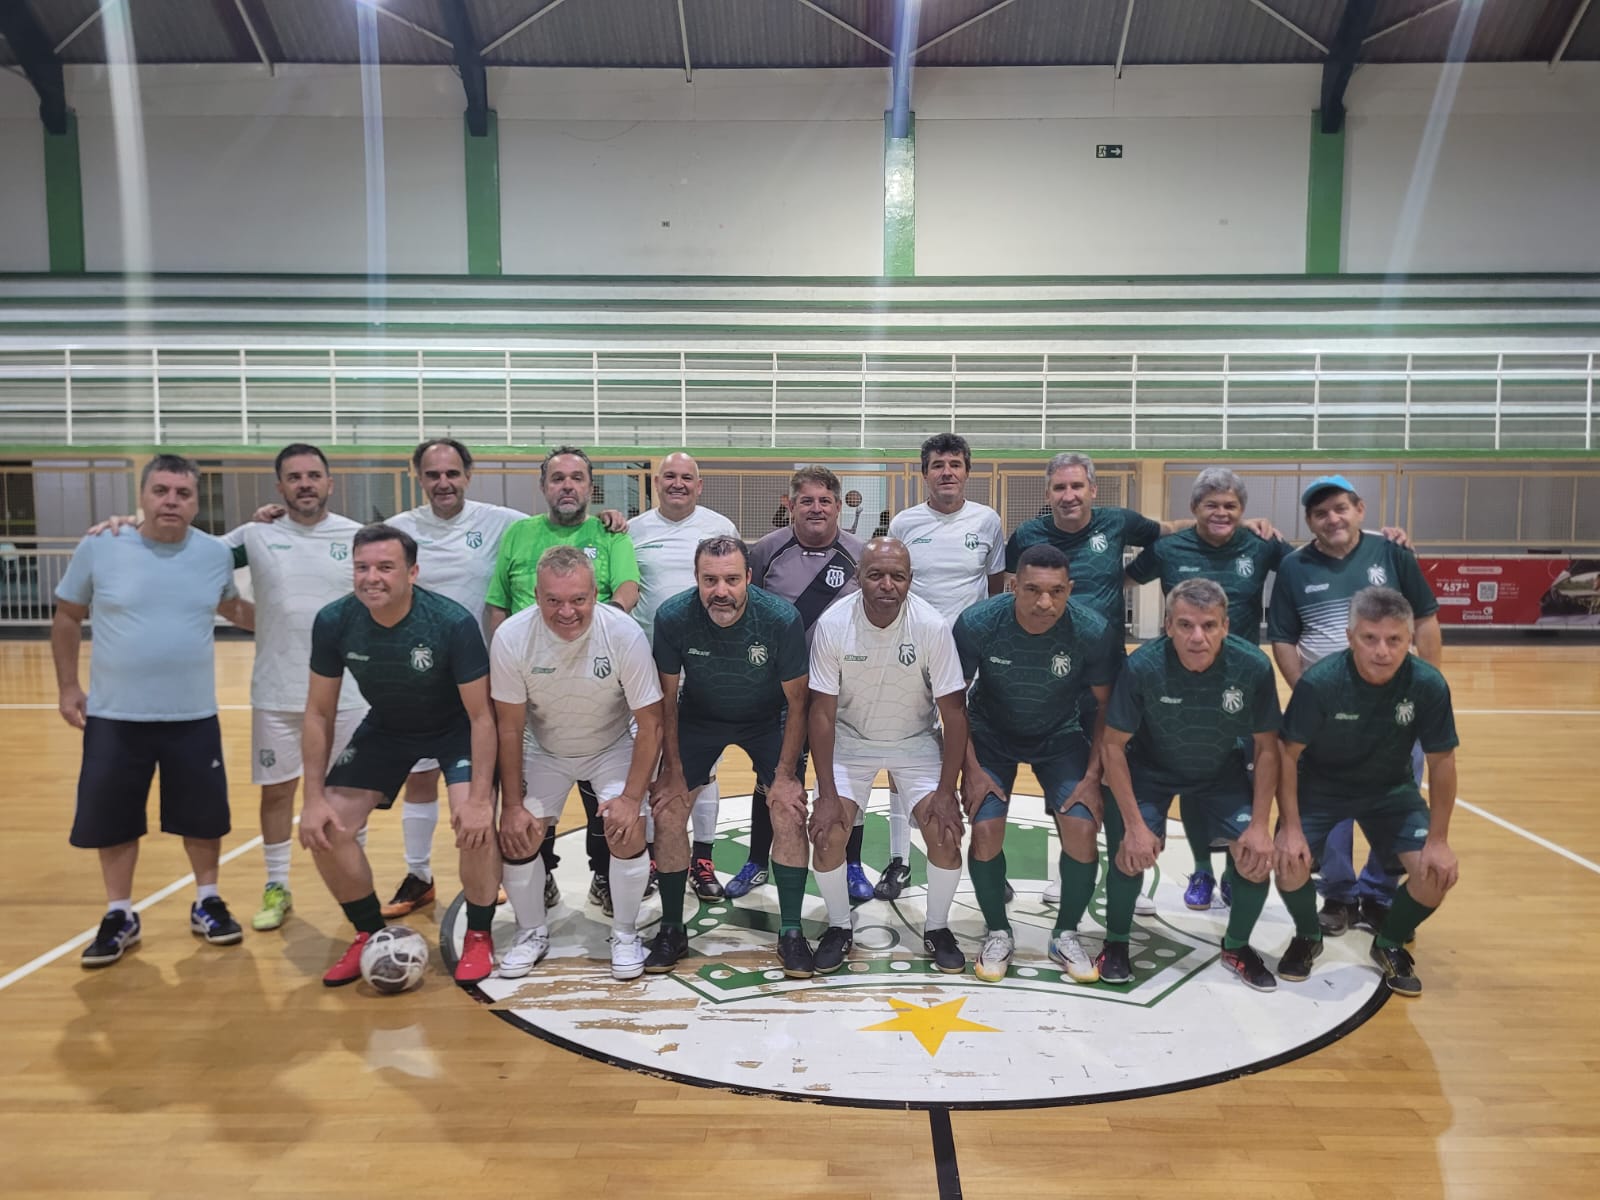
(1247,965)
(860,889)
(524,953)
(703,878)
(994,956)
(276,901)
(1295,965)
(600,893)
(477,957)
(211,919)
(500,897)
(1399,969)
(552,891)
(1067,950)
(795,952)
(1113,963)
(1337,916)
(348,968)
(1052,892)
(118,931)
(1144,906)
(666,949)
(893,880)
(940,945)
(750,877)
(653,884)
(1370,914)
(1202,886)
(627,956)
(413,893)
(832,947)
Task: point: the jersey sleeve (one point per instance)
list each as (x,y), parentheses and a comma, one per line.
(229,590)
(640,683)
(1265,714)
(944,663)
(825,652)
(1413,584)
(1283,618)
(665,647)
(1123,713)
(469,658)
(1278,549)
(794,659)
(1145,567)
(325,658)
(499,595)
(506,682)
(77,582)
(1014,549)
(624,562)
(1138,529)
(897,525)
(1436,721)
(1105,658)
(997,545)
(236,541)
(967,648)
(1302,720)
(760,559)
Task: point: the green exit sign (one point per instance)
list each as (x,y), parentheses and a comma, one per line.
(1108,151)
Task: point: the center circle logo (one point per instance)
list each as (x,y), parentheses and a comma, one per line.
(888,1029)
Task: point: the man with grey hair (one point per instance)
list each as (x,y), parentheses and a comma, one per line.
(1347,736)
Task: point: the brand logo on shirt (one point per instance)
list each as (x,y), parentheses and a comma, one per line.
(923,541)
(1317,587)
(541,670)
(1099,543)
(591,552)
(1232,700)
(1244,567)
(970,541)
(1000,662)
(345,759)
(421,658)
(268,758)
(354,657)
(757,654)
(908,654)
(602,666)
(834,577)
(474,538)
(1187,570)
(855,658)
(1404,712)
(1061,665)
(1347,716)
(279,546)
(338,551)
(1377,576)
(696,652)
(1171,700)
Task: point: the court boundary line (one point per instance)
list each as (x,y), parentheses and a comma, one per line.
(1546,843)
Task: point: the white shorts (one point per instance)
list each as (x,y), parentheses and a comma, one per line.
(424,764)
(547,779)
(275,742)
(853,780)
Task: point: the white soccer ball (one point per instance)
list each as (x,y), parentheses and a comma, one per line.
(394,959)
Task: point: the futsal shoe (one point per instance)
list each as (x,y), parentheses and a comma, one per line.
(1372,914)
(667,949)
(750,876)
(832,947)
(413,893)
(525,952)
(940,945)
(477,957)
(1113,963)
(994,956)
(1052,892)
(703,878)
(795,953)
(1295,965)
(1144,906)
(119,932)
(1399,970)
(211,920)
(1247,965)
(600,893)
(860,889)
(627,956)
(552,891)
(1337,916)
(893,880)
(348,968)
(1067,949)
(1202,885)
(652,885)
(276,901)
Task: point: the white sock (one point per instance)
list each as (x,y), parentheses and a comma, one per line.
(629,876)
(417,823)
(899,827)
(942,884)
(649,829)
(125,907)
(361,837)
(277,856)
(524,884)
(706,807)
(205,891)
(835,889)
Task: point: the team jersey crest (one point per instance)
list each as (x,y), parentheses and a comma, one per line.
(757,655)
(1405,712)
(421,658)
(1061,665)
(474,538)
(834,577)
(1244,567)
(268,758)
(338,551)
(970,541)
(1099,543)
(591,553)
(908,654)
(602,666)
(1232,700)
(1377,576)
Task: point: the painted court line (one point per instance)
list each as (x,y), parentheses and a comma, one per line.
(1532,837)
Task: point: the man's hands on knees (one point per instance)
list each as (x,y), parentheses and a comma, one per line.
(1291,854)
(621,817)
(1253,853)
(473,822)
(318,823)
(785,793)
(1437,865)
(669,789)
(977,785)
(1139,850)
(827,813)
(521,833)
(938,815)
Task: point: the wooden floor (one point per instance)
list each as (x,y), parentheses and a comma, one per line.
(189,1070)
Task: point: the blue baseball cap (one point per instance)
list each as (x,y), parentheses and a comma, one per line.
(1319,488)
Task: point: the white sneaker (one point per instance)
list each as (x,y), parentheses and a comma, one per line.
(627,956)
(994,958)
(529,946)
(1067,950)
(1144,906)
(1052,894)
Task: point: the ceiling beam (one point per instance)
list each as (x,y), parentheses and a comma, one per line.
(505,37)
(378,7)
(246,41)
(1566,38)
(1412,19)
(970,21)
(1122,46)
(683,36)
(1287,24)
(1341,61)
(474,79)
(845,25)
(39,62)
(84,24)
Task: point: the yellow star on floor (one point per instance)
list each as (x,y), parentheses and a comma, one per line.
(929,1025)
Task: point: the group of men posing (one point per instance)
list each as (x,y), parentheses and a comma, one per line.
(522,655)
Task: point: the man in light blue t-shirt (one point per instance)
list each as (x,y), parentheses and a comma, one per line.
(152,698)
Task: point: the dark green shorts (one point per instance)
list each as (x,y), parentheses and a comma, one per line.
(1226,803)
(1394,822)
(376,761)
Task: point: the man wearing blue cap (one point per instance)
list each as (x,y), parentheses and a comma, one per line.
(1306,622)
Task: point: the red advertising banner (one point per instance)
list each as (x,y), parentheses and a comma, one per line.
(1516,591)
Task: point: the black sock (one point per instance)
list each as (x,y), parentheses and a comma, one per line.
(547,851)
(702,850)
(366,914)
(480,916)
(852,848)
(760,830)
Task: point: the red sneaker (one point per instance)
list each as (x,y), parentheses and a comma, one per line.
(348,968)
(477,957)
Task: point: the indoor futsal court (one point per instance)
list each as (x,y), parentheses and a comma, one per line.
(488,267)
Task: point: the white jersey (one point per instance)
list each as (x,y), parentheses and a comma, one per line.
(665,550)
(886,679)
(456,557)
(580,694)
(295,570)
(952,554)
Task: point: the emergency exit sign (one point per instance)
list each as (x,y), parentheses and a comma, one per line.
(1113,150)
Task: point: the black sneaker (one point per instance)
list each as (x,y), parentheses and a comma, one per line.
(940,945)
(1295,965)
(893,880)
(1113,963)
(832,947)
(1011,893)
(1337,916)
(118,932)
(666,948)
(1399,969)
(1247,965)
(651,885)
(413,893)
(703,878)
(211,919)
(1370,914)
(795,952)
(600,893)
(552,891)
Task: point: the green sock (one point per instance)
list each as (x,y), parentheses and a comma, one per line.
(791,883)
(1121,892)
(672,884)
(366,914)
(1248,901)
(1302,906)
(1403,919)
(1197,831)
(480,917)
(1077,889)
(989,883)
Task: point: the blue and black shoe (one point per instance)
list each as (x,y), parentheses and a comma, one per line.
(750,876)
(860,889)
(210,919)
(119,931)
(1198,894)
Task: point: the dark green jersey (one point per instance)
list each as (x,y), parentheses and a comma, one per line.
(1189,727)
(1094,552)
(1311,596)
(1029,685)
(1357,735)
(409,672)
(1240,566)
(731,676)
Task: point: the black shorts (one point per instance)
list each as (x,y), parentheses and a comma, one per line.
(701,744)
(119,760)
(376,761)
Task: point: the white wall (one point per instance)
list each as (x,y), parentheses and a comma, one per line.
(24,229)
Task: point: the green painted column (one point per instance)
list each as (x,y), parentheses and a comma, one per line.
(899,201)
(63,199)
(483,198)
(1325,201)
